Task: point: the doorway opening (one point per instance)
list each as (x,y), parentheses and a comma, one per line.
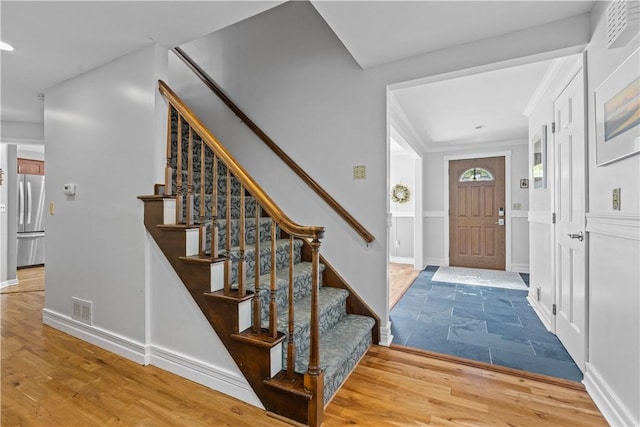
(501,326)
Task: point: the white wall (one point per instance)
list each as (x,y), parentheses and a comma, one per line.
(402,171)
(101,135)
(8,226)
(434,203)
(287,70)
(613,367)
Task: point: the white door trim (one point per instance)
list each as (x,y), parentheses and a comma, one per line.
(507,200)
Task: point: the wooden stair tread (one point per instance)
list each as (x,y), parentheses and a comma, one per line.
(295,386)
(198,259)
(152,197)
(177,227)
(263,339)
(232,296)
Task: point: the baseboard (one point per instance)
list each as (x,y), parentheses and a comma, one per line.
(542,315)
(203,373)
(8,283)
(107,340)
(385,335)
(401,260)
(520,268)
(606,400)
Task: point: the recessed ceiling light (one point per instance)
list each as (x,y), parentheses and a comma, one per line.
(6,46)
(480,127)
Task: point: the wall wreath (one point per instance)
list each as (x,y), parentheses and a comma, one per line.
(400,193)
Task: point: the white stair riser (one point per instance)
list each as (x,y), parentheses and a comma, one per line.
(169,211)
(244,315)
(192,241)
(217,276)
(276,359)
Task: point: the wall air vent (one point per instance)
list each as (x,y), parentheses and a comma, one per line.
(623,22)
(82,310)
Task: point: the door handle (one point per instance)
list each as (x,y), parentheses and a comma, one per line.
(500,221)
(578,236)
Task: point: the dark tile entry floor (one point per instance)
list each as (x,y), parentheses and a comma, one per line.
(487,324)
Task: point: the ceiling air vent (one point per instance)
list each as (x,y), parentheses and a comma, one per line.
(623,22)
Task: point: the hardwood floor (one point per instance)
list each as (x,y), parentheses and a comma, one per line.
(401,276)
(52,379)
(29,280)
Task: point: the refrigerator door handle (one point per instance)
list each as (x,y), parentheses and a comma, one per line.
(28,202)
(21,203)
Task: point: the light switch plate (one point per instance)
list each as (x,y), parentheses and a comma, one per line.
(360,172)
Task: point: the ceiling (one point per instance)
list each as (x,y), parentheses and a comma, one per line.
(57,40)
(479,108)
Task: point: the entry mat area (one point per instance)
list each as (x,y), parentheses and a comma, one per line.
(493,325)
(472,276)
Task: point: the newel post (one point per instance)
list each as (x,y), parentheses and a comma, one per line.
(314,378)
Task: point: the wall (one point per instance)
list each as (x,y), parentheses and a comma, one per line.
(613,367)
(101,135)
(8,226)
(287,70)
(402,171)
(434,203)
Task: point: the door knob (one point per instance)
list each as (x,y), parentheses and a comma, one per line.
(500,221)
(578,236)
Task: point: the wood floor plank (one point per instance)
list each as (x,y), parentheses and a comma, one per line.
(401,277)
(51,379)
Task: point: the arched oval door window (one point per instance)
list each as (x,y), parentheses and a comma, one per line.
(476,174)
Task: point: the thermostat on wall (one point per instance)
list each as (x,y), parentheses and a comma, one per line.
(69,189)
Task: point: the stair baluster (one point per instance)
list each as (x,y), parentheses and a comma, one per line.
(242,265)
(228,262)
(189,199)
(168,171)
(179,173)
(257,304)
(215,231)
(202,234)
(291,346)
(314,378)
(273,307)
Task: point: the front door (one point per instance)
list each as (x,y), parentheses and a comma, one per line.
(571,295)
(477,213)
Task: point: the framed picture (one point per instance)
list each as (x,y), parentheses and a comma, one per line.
(617,113)
(539,167)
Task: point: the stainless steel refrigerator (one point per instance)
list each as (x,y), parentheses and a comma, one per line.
(30,220)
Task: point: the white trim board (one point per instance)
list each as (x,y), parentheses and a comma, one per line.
(7,283)
(203,373)
(621,226)
(543,314)
(401,260)
(606,400)
(102,338)
(507,198)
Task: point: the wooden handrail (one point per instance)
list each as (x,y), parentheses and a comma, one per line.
(208,81)
(311,232)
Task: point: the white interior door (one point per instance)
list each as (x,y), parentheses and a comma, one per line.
(571,241)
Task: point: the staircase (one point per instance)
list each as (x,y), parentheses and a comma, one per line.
(292,324)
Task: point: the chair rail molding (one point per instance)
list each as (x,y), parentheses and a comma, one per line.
(614,225)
